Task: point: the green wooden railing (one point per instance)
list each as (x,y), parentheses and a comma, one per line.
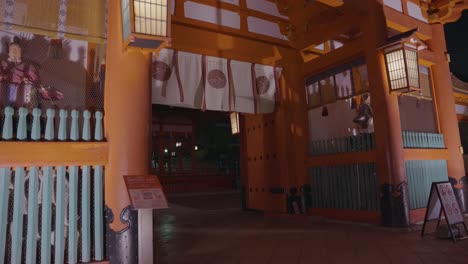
(352,187)
(366,142)
(362,142)
(49,212)
(30,126)
(423,140)
(420,174)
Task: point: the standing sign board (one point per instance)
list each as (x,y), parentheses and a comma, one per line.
(443,199)
(145,192)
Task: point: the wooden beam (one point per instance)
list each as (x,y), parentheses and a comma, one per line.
(240,9)
(19,153)
(401,22)
(460,98)
(462,118)
(332,3)
(316,22)
(341,159)
(369,156)
(224,45)
(320,32)
(427,57)
(193,23)
(349,52)
(300,12)
(426,154)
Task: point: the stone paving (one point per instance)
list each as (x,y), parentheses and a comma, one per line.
(213,229)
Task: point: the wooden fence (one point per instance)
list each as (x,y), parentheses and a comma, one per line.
(51,214)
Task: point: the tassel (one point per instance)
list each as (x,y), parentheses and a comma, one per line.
(175,62)
(325,111)
(203,108)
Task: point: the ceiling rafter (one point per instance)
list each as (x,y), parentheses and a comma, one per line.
(345,54)
(314,22)
(323,32)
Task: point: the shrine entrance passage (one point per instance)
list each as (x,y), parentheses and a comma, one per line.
(194,151)
(213,88)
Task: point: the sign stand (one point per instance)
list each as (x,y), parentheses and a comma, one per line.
(442,199)
(145,193)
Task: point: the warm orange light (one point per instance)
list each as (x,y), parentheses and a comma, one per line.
(235,123)
(402,68)
(402,63)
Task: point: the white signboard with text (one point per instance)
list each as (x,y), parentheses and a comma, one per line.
(145,192)
(442,199)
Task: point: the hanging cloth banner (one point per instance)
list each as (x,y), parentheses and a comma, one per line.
(253,75)
(266,82)
(243,96)
(177,79)
(277,72)
(209,83)
(166,89)
(230,86)
(190,79)
(216,84)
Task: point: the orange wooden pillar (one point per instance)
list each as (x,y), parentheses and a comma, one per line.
(445,104)
(127,128)
(292,122)
(389,142)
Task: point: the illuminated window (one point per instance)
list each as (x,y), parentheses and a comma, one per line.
(235,123)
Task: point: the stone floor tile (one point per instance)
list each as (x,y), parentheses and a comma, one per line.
(195,230)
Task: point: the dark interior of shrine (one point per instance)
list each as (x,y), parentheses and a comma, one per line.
(190,146)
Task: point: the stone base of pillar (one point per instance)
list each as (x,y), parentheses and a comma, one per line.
(394,205)
(122,246)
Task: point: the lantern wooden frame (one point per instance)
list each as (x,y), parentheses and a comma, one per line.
(402,62)
(139,40)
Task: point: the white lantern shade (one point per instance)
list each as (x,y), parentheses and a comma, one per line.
(402,68)
(401,61)
(145,23)
(235,123)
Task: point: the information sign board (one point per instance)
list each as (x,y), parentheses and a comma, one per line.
(442,199)
(145,192)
